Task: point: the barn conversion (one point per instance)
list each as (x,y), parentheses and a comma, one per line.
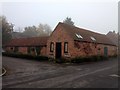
(33,45)
(70,41)
(65,41)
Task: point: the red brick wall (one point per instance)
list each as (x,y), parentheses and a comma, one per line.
(89,49)
(44,51)
(8,49)
(83,48)
(23,50)
(20,49)
(59,35)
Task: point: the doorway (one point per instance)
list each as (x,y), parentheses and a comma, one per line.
(58,50)
(105,51)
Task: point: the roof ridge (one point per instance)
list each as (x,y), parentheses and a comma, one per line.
(82,28)
(36,41)
(86,34)
(31,37)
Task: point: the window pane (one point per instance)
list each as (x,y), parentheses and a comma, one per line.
(28,50)
(51,47)
(66,47)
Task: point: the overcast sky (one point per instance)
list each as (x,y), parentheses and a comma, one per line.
(95,16)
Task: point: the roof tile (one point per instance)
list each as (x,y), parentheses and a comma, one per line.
(86,34)
(33,41)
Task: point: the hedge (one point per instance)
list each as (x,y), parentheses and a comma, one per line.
(88,59)
(24,56)
(81,59)
(61,60)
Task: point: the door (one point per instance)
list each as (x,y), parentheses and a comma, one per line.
(58,50)
(105,51)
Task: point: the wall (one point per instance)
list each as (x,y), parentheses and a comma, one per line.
(59,35)
(9,49)
(44,51)
(20,49)
(89,49)
(76,48)
(23,50)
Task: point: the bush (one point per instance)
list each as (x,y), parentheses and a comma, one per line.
(60,60)
(114,56)
(77,60)
(63,60)
(24,56)
(88,59)
(81,59)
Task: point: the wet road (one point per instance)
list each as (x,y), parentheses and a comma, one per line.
(36,74)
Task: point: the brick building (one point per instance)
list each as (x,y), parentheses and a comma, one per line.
(33,45)
(70,41)
(65,41)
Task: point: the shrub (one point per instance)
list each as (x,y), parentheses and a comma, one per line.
(77,60)
(114,56)
(63,60)
(24,56)
(60,60)
(88,59)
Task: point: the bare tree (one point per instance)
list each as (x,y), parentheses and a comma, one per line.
(44,30)
(30,31)
(40,30)
(47,29)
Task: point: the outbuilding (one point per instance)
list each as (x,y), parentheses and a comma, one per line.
(33,45)
(70,41)
(66,41)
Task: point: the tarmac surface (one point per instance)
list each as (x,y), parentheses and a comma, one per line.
(22,73)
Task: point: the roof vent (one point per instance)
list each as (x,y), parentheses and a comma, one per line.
(79,36)
(93,38)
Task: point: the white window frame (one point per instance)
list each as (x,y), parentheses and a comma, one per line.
(78,36)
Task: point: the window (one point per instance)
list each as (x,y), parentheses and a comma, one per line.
(79,36)
(93,38)
(32,49)
(28,50)
(51,47)
(66,47)
(99,49)
(11,48)
(16,49)
(38,50)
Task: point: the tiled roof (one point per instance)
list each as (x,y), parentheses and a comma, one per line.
(113,37)
(85,35)
(33,41)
